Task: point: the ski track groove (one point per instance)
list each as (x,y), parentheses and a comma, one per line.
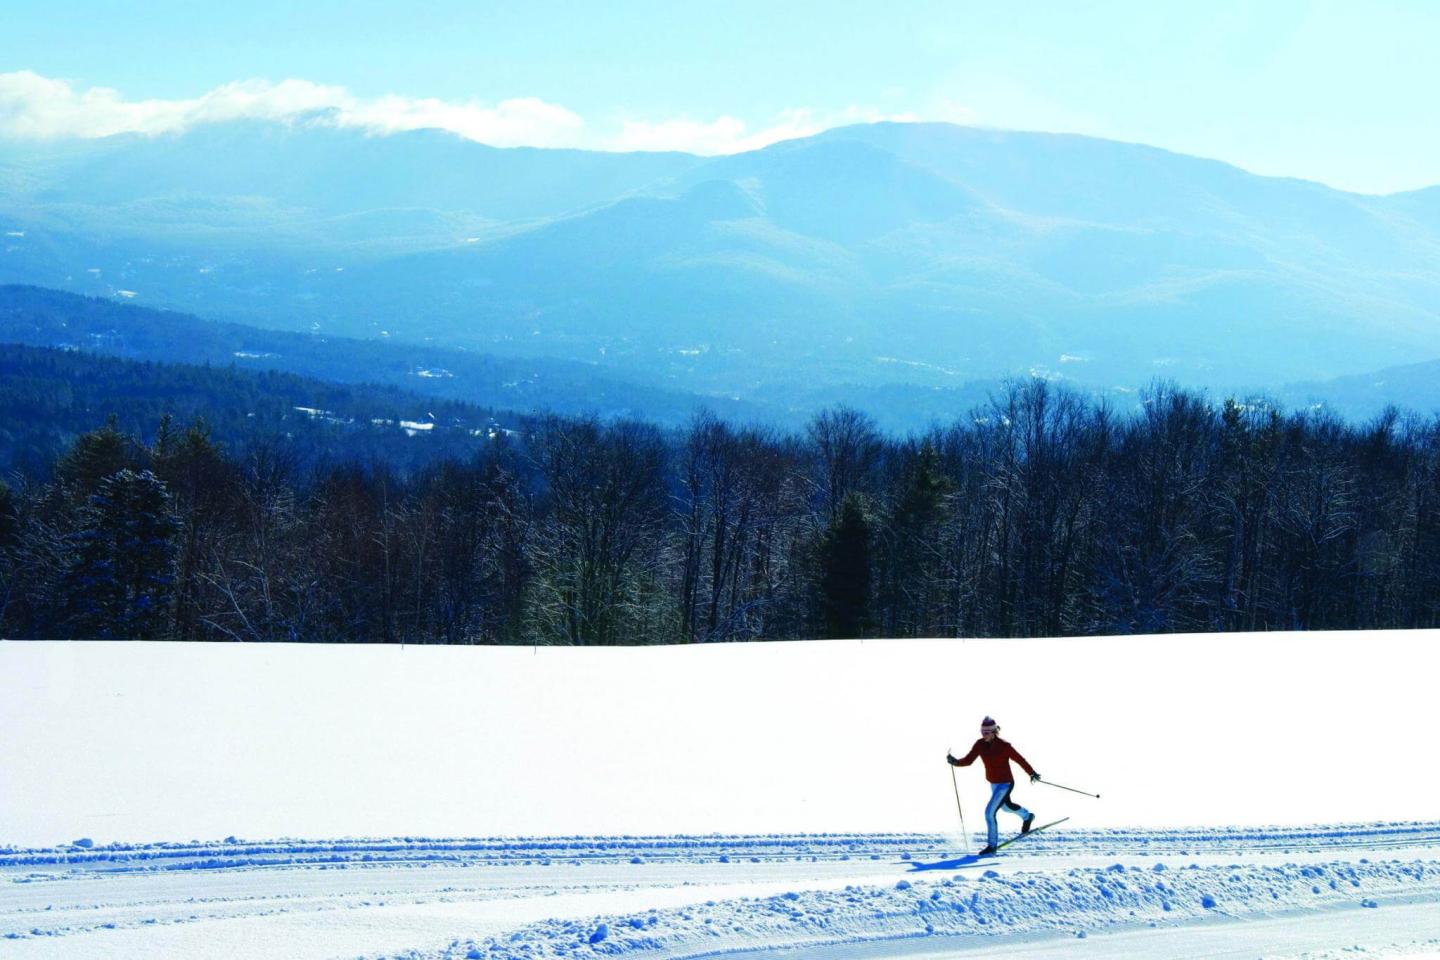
(833,890)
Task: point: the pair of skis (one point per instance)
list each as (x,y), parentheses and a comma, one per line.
(1045,826)
(971,859)
(1033,831)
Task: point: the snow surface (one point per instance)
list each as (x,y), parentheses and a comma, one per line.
(208,740)
(700,801)
(1141,893)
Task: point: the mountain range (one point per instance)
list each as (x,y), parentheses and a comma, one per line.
(884,260)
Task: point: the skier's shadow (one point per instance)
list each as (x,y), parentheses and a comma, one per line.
(969,860)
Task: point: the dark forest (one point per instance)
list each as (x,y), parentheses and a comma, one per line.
(1043,513)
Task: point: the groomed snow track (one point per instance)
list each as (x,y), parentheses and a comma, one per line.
(861,896)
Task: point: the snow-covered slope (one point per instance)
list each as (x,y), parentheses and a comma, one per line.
(171,742)
(726,766)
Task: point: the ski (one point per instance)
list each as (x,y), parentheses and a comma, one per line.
(1033,831)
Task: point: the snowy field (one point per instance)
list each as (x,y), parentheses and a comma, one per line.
(1262,796)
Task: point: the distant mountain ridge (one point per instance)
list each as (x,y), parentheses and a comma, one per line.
(882,255)
(332,170)
(1412,387)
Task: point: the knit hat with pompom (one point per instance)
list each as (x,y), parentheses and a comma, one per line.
(989,726)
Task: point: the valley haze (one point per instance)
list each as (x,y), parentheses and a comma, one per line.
(894,262)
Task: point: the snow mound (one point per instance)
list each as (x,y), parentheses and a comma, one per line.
(1073,901)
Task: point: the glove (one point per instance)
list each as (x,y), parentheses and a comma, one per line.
(1034,777)
(951,760)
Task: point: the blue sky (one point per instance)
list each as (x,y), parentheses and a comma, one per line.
(1338,92)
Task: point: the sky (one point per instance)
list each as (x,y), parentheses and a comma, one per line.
(1338,92)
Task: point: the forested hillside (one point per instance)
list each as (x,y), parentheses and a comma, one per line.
(52,318)
(1041,514)
(49,397)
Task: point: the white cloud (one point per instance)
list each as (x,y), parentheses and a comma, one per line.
(32,106)
(690,136)
(726,134)
(37,107)
(526,121)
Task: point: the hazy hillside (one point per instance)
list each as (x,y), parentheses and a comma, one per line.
(1414,387)
(48,397)
(917,255)
(51,318)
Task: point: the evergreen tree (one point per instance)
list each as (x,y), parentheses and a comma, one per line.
(9,518)
(119,583)
(912,579)
(93,457)
(845,572)
(201,484)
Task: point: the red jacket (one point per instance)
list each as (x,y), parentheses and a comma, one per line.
(997,755)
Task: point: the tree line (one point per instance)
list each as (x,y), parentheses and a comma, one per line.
(49,396)
(1042,513)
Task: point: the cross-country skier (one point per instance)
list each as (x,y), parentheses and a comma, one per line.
(997,755)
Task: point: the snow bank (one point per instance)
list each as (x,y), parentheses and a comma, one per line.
(876,897)
(153,741)
(993,904)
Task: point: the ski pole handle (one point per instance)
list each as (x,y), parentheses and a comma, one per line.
(1071,789)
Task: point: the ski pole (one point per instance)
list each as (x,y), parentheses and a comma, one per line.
(964,834)
(1071,789)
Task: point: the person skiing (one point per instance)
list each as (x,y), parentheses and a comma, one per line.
(997,755)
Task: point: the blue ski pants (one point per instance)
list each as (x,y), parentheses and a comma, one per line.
(1000,800)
